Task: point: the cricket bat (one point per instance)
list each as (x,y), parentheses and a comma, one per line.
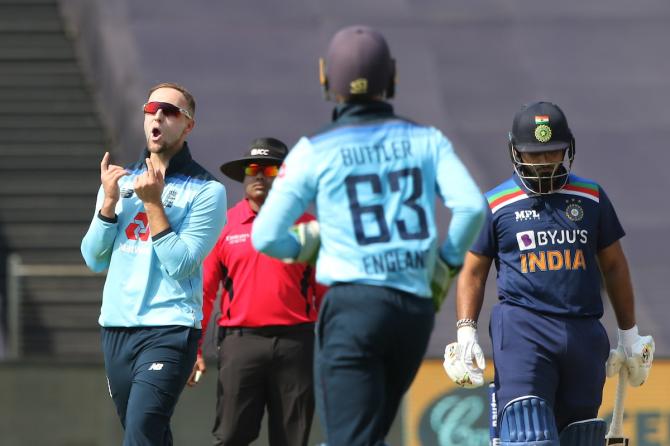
(494,440)
(615,435)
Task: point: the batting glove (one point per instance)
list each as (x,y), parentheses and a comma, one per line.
(307,235)
(464,360)
(634,352)
(443,276)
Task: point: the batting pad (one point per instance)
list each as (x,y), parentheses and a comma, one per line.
(528,421)
(584,433)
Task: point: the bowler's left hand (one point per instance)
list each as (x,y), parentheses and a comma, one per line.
(149,185)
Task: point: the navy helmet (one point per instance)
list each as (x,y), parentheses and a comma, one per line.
(358,65)
(541,127)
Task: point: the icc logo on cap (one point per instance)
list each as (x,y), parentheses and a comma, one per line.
(256,152)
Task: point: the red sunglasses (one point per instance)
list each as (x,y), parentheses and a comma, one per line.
(168,109)
(253,169)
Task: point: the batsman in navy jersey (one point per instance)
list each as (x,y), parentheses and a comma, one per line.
(552,236)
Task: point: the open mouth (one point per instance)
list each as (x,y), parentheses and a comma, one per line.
(156,133)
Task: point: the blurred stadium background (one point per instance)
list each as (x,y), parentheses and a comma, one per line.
(73,74)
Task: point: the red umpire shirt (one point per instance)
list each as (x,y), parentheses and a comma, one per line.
(257,290)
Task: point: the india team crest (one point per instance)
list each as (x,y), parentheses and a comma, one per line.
(574,212)
(543,133)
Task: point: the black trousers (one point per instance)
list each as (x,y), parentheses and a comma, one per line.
(259,368)
(370,344)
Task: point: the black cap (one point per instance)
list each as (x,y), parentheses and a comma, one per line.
(540,127)
(262,151)
(359,63)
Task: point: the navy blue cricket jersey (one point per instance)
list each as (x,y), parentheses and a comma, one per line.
(545,246)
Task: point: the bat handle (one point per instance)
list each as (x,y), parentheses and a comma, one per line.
(616,427)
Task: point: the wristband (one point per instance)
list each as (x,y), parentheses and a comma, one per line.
(467,322)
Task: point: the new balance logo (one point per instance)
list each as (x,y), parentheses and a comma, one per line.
(156,366)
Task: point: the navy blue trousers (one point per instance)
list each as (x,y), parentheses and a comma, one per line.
(559,359)
(370,342)
(147,368)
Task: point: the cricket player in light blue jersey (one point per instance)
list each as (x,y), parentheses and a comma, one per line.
(155,222)
(374,178)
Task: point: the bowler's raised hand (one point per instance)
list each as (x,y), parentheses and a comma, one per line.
(110,174)
(149,186)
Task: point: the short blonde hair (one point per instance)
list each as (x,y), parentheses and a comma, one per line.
(190,100)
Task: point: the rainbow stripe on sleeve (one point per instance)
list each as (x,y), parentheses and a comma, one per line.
(509,192)
(501,198)
(583,188)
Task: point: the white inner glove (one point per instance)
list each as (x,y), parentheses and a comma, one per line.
(464,360)
(636,352)
(307,234)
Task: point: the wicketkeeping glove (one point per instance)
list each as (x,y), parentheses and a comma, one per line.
(634,352)
(443,276)
(464,360)
(307,235)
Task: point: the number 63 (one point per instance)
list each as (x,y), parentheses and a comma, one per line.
(377,210)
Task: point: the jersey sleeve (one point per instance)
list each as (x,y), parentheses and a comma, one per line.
(291,193)
(98,243)
(486,243)
(609,227)
(182,252)
(462,196)
(212,277)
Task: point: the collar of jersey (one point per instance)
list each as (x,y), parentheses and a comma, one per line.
(177,162)
(353,112)
(246,212)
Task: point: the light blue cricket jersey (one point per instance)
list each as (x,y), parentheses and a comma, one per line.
(374,178)
(156,279)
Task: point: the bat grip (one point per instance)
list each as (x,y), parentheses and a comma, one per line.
(616,427)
